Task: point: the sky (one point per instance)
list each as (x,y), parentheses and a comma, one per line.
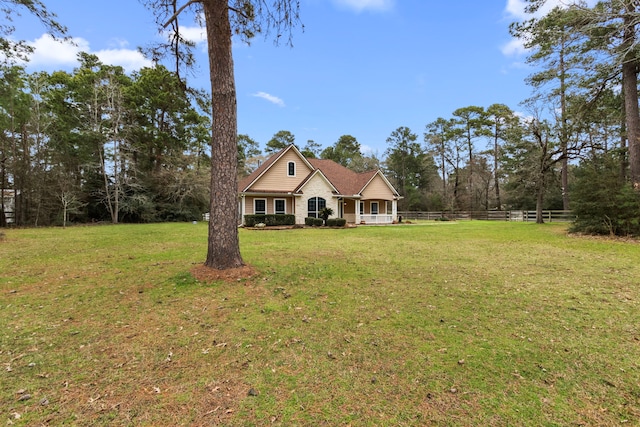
(359,67)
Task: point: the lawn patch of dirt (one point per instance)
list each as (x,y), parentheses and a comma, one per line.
(205,274)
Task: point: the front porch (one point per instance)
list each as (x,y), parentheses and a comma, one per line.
(368,211)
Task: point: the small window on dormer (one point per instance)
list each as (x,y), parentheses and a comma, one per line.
(291,169)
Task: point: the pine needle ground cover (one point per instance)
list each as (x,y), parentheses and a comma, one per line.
(465,323)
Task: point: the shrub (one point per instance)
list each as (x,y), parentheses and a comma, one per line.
(269,220)
(318,222)
(341,222)
(331,222)
(309,221)
(325,213)
(602,201)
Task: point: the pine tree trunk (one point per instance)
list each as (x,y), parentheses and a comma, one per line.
(223,250)
(630,90)
(496,176)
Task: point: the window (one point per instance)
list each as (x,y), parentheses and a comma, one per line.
(291,169)
(315,205)
(361,208)
(280,206)
(374,208)
(260,207)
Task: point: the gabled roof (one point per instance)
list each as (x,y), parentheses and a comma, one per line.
(345,181)
(247,181)
(318,172)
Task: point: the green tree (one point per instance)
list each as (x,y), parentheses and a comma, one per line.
(247,148)
(311,150)
(167,135)
(530,159)
(16,141)
(603,201)
(609,32)
(365,163)
(345,151)
(441,138)
(473,123)
(280,140)
(559,51)
(223,19)
(408,166)
(502,121)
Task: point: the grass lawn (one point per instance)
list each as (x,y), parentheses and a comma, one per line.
(454,323)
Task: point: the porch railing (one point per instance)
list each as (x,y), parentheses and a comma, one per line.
(376,219)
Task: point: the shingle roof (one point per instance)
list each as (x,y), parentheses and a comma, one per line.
(346,181)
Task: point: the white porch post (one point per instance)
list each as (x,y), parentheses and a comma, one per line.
(357,206)
(394,210)
(242,209)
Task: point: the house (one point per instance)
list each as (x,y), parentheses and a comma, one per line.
(289,183)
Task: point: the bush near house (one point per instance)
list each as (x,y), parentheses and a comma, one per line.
(269,220)
(313,222)
(336,222)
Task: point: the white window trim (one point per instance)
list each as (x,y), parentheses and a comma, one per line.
(254,207)
(317,211)
(274,206)
(295,169)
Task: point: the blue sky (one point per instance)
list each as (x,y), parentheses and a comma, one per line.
(360,67)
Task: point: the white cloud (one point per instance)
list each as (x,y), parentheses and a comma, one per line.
(514,47)
(52,54)
(273,99)
(360,5)
(130,60)
(195,34)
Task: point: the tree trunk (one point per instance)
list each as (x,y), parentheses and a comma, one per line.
(496,177)
(540,199)
(630,90)
(223,251)
(564,133)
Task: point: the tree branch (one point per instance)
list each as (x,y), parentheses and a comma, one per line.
(179,11)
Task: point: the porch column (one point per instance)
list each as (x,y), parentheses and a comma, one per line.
(242,209)
(394,210)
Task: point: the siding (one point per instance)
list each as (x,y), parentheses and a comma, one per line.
(270,204)
(377,189)
(277,179)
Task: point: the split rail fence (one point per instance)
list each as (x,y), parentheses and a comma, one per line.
(523,216)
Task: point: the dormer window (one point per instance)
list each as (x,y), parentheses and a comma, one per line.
(291,169)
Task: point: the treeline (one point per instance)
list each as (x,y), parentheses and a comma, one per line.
(100,145)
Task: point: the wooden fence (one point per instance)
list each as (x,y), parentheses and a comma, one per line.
(525,216)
